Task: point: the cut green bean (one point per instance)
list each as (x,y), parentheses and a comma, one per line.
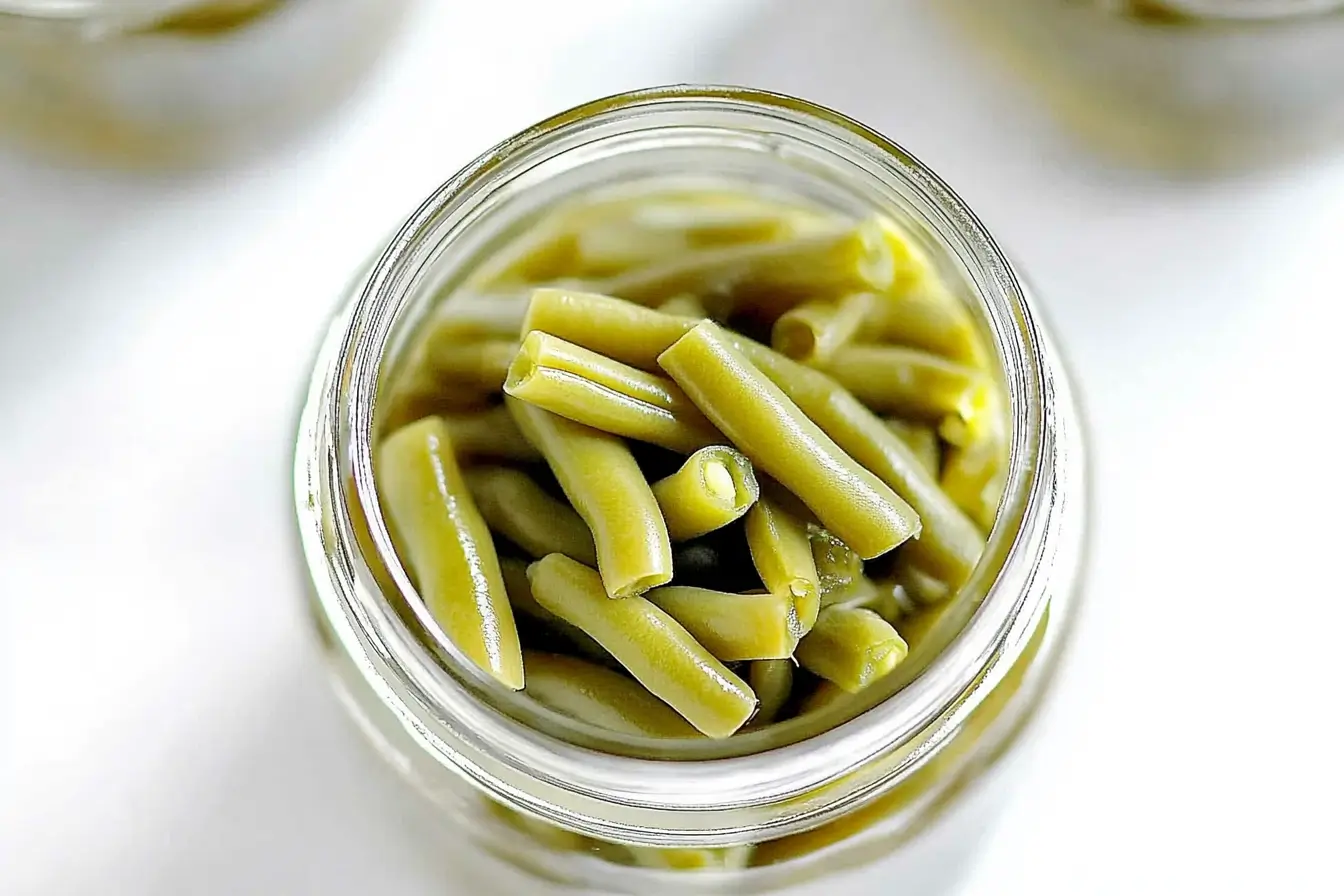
(447,548)
(599,696)
(684,305)
(488,434)
(767,275)
(712,489)
(733,627)
(480,365)
(613,327)
(772,681)
(782,553)
(909,382)
(594,390)
(924,586)
(604,484)
(851,648)
(522,601)
(838,566)
(649,643)
(931,319)
(678,858)
(887,599)
(973,478)
(950,543)
(825,695)
(923,441)
(517,508)
(815,330)
(780,440)
(470,317)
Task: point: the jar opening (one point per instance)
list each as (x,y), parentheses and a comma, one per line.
(749,138)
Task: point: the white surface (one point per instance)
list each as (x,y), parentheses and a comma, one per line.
(164,728)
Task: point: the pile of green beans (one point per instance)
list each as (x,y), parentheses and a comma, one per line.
(687,462)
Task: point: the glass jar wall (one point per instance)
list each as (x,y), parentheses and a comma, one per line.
(872,792)
(1181,84)
(177,81)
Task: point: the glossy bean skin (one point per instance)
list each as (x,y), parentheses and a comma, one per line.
(600,696)
(931,319)
(909,382)
(838,566)
(769,276)
(732,627)
(782,553)
(522,601)
(814,331)
(604,484)
(922,439)
(517,508)
(612,327)
(594,390)
(713,488)
(489,433)
(772,680)
(447,548)
(770,429)
(851,648)
(649,643)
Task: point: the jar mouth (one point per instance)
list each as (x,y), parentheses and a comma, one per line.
(716,800)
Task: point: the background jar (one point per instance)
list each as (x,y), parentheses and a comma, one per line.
(1183,84)
(159,82)
(520,794)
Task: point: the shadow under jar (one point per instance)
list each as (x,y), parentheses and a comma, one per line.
(892,787)
(1188,85)
(172,82)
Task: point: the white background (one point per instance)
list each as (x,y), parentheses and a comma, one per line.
(164,726)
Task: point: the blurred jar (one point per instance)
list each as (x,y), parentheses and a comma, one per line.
(161,82)
(1186,84)
(895,796)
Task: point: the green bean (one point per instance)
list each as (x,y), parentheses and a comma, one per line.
(813,331)
(923,441)
(479,366)
(488,434)
(781,441)
(548,835)
(712,489)
(594,390)
(924,586)
(886,599)
(838,566)
(447,548)
(599,475)
(772,680)
(618,329)
(851,648)
(909,382)
(684,305)
(649,643)
(733,627)
(825,695)
(767,275)
(782,554)
(594,694)
(973,478)
(950,544)
(469,317)
(931,319)
(517,508)
(522,601)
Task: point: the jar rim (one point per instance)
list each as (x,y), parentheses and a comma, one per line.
(734,799)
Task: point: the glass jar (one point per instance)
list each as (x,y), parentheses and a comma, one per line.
(1184,84)
(906,782)
(172,81)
